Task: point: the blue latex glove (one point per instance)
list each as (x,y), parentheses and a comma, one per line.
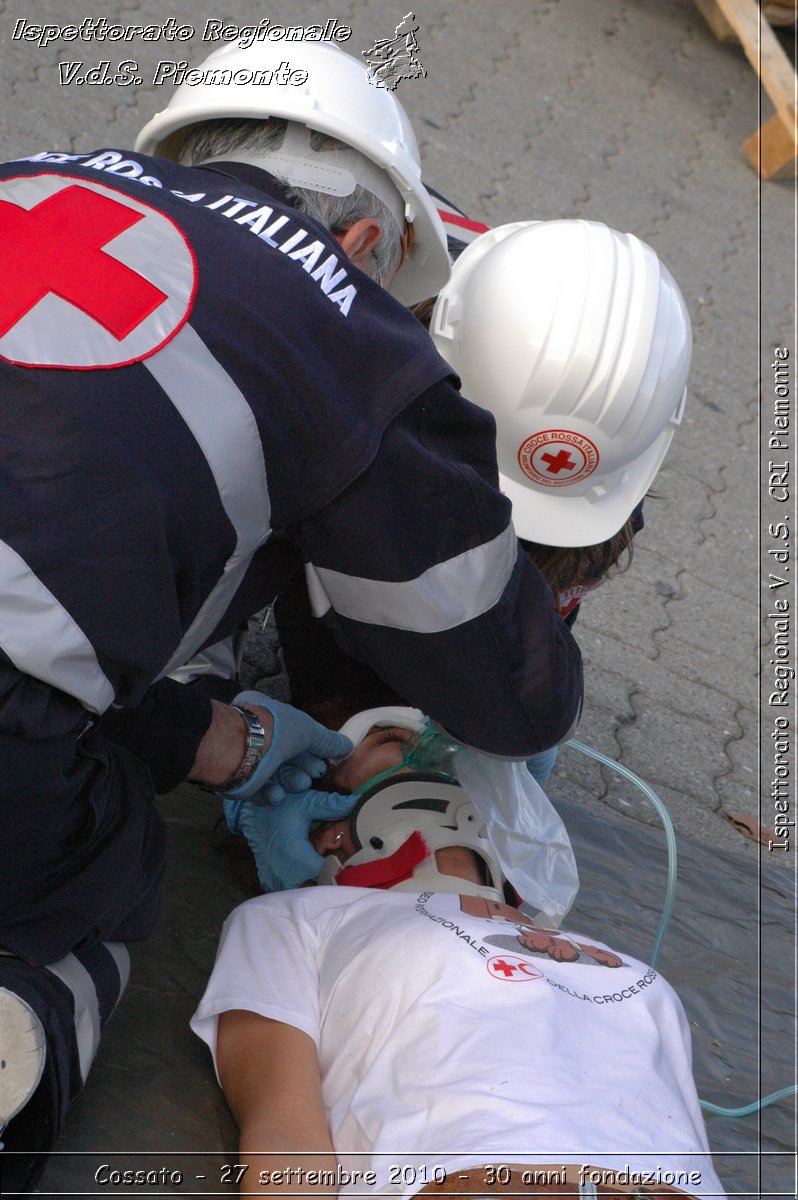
(296,738)
(296,775)
(278,834)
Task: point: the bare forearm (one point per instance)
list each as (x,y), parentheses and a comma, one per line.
(277,1166)
(270,1075)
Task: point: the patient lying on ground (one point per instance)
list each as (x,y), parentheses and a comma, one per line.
(403,1006)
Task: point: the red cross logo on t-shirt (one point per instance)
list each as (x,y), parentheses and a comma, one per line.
(512,967)
(507,969)
(91,276)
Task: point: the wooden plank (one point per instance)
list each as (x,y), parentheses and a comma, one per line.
(780,12)
(773,149)
(764,52)
(721,28)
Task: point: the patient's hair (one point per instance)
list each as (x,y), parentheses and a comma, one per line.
(423,311)
(225,135)
(565,567)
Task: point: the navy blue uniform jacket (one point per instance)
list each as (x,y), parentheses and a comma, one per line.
(198,387)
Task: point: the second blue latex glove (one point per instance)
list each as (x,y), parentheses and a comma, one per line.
(278,834)
(296,775)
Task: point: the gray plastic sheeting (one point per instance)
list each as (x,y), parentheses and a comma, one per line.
(152,1088)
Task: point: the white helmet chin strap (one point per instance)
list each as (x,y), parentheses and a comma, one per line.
(334,172)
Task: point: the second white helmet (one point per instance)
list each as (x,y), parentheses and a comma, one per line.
(578,340)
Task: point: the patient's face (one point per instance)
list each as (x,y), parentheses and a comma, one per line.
(381,749)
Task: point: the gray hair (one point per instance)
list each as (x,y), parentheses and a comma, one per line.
(223,136)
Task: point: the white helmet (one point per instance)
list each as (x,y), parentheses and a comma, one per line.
(578,340)
(338,100)
(399,824)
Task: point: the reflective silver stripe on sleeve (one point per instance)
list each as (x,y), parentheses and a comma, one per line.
(223,424)
(121,956)
(220,660)
(445,596)
(36,631)
(42,639)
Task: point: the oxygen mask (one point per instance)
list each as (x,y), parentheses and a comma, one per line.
(429,750)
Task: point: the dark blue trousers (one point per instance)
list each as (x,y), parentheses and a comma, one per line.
(73,998)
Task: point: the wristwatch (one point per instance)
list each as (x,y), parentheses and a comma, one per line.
(255,749)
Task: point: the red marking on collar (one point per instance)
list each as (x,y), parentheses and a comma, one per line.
(387,872)
(450,218)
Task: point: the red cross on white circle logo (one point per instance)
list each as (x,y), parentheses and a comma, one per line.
(91,277)
(557,457)
(561,461)
(512,968)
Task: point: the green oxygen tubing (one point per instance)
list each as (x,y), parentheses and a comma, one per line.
(670,892)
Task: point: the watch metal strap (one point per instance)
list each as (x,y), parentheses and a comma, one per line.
(255,748)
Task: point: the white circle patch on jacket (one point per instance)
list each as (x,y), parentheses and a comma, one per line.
(91,277)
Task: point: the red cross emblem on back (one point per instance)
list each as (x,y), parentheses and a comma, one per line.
(92,277)
(57,246)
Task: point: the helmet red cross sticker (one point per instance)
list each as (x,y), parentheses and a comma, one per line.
(512,968)
(91,277)
(557,457)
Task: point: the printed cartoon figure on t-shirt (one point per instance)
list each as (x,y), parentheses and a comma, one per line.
(562,948)
(535,941)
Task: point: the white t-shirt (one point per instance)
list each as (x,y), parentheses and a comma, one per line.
(446,1040)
